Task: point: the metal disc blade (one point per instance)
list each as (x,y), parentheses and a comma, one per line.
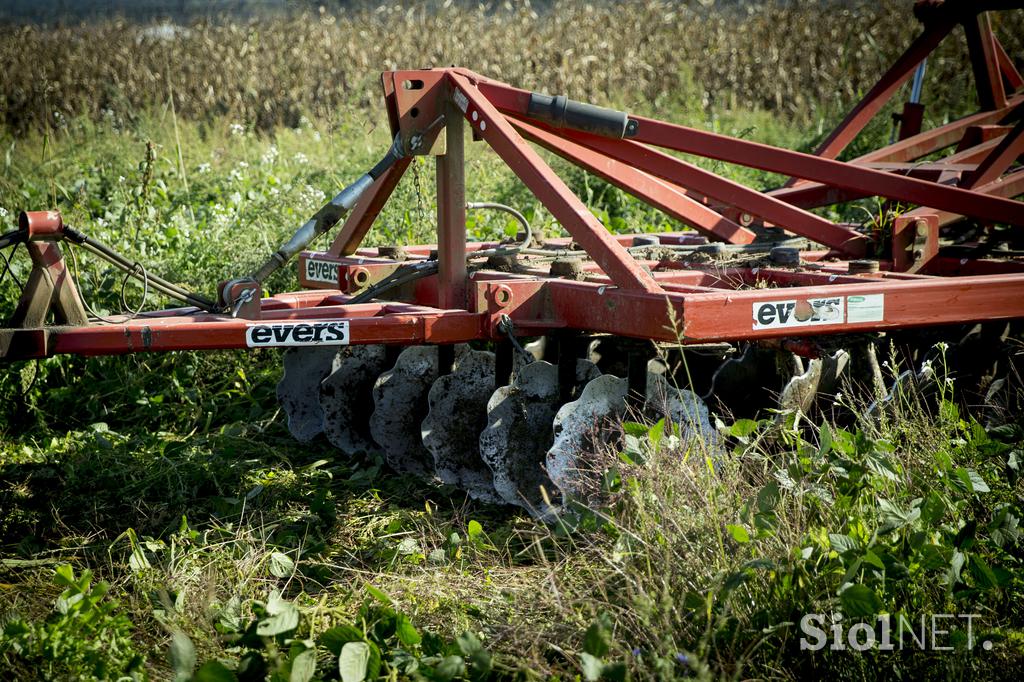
(400,404)
(519,433)
(452,427)
(684,408)
(577,427)
(298,390)
(346,397)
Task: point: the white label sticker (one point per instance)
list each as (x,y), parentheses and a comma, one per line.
(319,333)
(798,312)
(865,308)
(460,100)
(321,271)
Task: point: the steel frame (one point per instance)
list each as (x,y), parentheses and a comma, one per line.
(653,295)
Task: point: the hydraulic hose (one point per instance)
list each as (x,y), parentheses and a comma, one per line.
(330,215)
(98,248)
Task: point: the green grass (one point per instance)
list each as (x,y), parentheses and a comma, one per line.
(222,542)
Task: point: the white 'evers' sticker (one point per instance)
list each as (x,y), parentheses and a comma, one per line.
(318,333)
(321,271)
(460,100)
(805,312)
(869,308)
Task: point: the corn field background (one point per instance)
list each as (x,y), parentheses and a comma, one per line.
(801,61)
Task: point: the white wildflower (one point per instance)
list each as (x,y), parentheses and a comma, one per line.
(269,156)
(237,129)
(316,135)
(313,196)
(204,168)
(300,158)
(3,212)
(120,179)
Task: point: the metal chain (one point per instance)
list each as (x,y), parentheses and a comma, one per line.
(418,188)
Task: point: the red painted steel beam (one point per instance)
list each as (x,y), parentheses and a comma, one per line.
(367,323)
(814,194)
(1011,185)
(366,211)
(849,176)
(687,175)
(773,159)
(958,267)
(1009,71)
(490,124)
(883,90)
(921,303)
(731,315)
(451,212)
(1009,149)
(988,78)
(653,191)
(936,139)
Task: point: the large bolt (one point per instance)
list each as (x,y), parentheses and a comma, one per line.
(570,268)
(396,253)
(861,267)
(785,255)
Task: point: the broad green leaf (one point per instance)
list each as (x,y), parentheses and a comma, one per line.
(303,666)
(874,560)
(337,637)
(768,497)
(476,655)
(615,671)
(596,640)
(474,530)
(859,601)
(449,668)
(64,575)
(182,656)
(742,428)
(934,557)
(972,480)
(468,643)
(956,565)
(656,433)
(841,543)
(933,508)
(214,671)
(281,565)
(407,634)
(982,573)
(592,666)
(283,617)
(353,661)
(634,429)
(738,533)
(824,439)
(378,594)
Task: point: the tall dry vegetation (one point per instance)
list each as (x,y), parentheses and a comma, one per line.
(793,58)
